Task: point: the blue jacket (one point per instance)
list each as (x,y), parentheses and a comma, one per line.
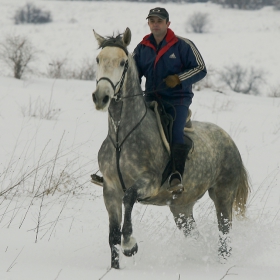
(174,55)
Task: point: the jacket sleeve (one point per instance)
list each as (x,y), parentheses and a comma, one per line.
(193,64)
(136,56)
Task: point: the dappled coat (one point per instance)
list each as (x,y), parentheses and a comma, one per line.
(174,55)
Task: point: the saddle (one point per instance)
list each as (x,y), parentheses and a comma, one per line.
(165,122)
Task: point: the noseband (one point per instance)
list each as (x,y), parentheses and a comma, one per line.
(117,95)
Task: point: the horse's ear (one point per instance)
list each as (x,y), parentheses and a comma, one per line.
(126,37)
(99,38)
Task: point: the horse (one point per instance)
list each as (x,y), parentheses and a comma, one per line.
(133,157)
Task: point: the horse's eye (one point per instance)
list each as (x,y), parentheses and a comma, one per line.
(122,63)
(97,60)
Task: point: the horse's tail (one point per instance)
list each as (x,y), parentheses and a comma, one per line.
(240,202)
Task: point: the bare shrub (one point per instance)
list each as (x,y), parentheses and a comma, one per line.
(17,53)
(40,109)
(59,69)
(198,22)
(244,4)
(207,82)
(61,182)
(86,71)
(32,14)
(241,79)
(277,5)
(274,91)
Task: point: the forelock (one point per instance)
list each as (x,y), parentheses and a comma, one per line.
(114,42)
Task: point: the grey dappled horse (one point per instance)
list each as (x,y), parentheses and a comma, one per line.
(133,157)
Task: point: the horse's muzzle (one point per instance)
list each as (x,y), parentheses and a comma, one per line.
(101,101)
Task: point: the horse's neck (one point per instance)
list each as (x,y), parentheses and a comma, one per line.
(134,105)
(115,111)
(127,113)
(115,115)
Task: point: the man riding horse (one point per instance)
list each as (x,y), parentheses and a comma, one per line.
(171,65)
(132,157)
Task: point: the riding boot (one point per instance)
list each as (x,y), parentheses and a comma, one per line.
(179,154)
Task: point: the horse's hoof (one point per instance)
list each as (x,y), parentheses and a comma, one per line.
(129,246)
(115,264)
(115,257)
(224,256)
(224,249)
(131,252)
(193,234)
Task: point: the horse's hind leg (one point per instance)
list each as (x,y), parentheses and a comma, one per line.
(223,199)
(113,202)
(183,216)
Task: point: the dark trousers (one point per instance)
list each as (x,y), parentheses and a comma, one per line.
(179,114)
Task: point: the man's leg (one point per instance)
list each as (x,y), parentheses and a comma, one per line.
(179,149)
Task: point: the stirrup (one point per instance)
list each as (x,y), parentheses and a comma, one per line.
(97,180)
(177,187)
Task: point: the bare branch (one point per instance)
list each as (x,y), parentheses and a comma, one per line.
(198,22)
(239,79)
(227,272)
(17,53)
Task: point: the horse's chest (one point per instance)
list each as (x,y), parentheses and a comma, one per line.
(131,159)
(109,157)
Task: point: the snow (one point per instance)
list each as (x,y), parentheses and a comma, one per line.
(63,234)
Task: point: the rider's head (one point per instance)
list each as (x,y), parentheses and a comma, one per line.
(160,13)
(158,21)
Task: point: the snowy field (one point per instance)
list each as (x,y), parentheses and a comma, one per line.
(53,222)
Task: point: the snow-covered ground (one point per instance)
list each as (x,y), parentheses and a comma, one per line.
(53,222)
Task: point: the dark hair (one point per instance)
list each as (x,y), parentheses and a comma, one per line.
(167,20)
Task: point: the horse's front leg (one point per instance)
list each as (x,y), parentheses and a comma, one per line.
(142,188)
(113,203)
(129,245)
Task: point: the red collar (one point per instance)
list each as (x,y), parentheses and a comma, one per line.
(170,39)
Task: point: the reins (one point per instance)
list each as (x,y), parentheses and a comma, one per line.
(118,145)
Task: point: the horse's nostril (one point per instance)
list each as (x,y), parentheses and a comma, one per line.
(94,98)
(105,99)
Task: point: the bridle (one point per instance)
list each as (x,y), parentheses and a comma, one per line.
(117,95)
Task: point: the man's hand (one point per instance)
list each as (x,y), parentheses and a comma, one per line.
(172,81)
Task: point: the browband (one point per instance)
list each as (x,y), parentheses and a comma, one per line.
(113,42)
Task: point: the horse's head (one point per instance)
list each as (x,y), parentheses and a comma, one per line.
(112,63)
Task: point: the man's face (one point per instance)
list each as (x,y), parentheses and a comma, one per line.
(158,26)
